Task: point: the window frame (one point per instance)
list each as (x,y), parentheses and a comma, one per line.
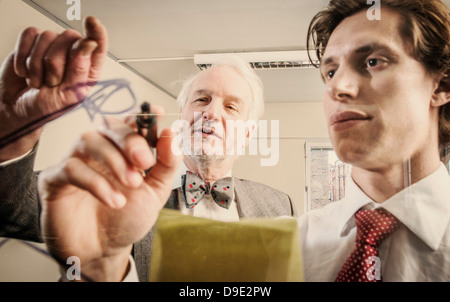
(309,145)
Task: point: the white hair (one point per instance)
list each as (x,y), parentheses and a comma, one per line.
(245,70)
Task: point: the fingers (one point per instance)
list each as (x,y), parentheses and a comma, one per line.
(35,61)
(50,58)
(102,164)
(79,64)
(23,48)
(117,152)
(133,146)
(56,57)
(101,168)
(86,58)
(76,172)
(104,156)
(97,32)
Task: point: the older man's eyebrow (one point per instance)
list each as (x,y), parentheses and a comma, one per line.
(234,99)
(201,92)
(207,92)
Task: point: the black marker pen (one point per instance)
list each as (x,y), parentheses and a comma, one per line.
(146,123)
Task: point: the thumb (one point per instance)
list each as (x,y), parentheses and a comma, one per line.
(161,176)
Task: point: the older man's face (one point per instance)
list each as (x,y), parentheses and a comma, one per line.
(218,95)
(378,97)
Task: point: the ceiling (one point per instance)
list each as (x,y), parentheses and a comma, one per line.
(158,39)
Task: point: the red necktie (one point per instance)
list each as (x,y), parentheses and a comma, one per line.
(363,264)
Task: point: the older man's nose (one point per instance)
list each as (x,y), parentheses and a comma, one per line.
(212,111)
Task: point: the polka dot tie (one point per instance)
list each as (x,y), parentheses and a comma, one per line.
(194,189)
(363,264)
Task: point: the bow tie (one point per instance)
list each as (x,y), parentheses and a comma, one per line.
(194,189)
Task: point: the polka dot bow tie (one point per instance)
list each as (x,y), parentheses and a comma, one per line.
(363,264)
(194,189)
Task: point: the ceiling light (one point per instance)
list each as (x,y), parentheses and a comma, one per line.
(262,60)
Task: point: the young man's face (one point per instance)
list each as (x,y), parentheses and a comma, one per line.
(377,98)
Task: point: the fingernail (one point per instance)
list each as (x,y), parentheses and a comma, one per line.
(118,200)
(87,47)
(134,179)
(52,80)
(140,156)
(33,83)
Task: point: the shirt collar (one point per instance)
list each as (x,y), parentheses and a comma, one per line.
(183,168)
(356,200)
(423,207)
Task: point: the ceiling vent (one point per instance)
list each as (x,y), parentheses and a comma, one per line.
(262,60)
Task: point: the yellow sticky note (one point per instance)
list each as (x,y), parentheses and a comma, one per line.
(191,249)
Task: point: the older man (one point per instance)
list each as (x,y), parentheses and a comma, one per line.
(387,106)
(99,192)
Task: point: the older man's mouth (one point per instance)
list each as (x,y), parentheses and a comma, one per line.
(208,131)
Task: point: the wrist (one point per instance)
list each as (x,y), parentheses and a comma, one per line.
(107,269)
(19,147)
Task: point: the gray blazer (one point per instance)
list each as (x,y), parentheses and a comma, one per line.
(20,207)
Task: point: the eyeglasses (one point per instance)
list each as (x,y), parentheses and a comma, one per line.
(94,105)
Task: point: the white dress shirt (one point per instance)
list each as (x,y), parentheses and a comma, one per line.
(418,251)
(13,160)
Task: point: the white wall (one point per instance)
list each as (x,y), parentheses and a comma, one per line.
(19,262)
(298,122)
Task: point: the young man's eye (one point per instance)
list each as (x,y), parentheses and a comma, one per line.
(377,64)
(329,71)
(372,62)
(330,74)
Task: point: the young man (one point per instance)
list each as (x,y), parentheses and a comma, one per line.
(96,204)
(387,106)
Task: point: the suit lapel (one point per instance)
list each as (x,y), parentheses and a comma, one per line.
(246,203)
(143,248)
(172,203)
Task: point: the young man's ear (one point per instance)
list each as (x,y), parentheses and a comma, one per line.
(442,94)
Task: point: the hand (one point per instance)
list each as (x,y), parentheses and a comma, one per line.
(47,73)
(96,203)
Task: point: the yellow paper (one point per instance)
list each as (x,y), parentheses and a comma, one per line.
(191,249)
